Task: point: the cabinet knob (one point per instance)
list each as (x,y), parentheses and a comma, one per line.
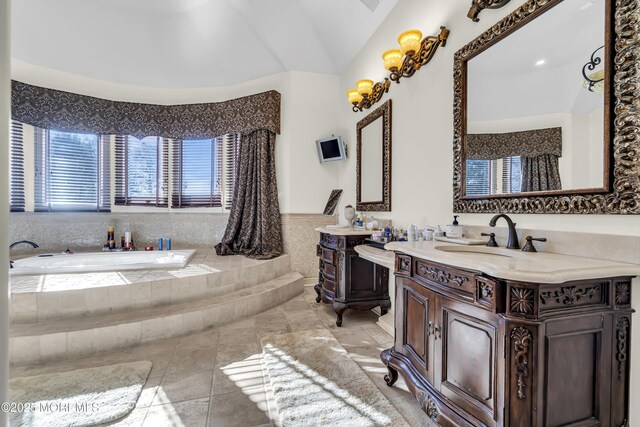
(430,328)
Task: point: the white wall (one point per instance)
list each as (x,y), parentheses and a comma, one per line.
(423,135)
(308,113)
(4,211)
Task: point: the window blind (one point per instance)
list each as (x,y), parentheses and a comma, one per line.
(481,177)
(197,173)
(232,152)
(142,171)
(16,167)
(511,174)
(71,171)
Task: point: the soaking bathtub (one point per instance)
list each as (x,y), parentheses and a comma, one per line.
(101,261)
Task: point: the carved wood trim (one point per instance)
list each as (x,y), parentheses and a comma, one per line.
(428,405)
(622,336)
(383,205)
(521,338)
(521,300)
(569,295)
(622,293)
(624,197)
(441,275)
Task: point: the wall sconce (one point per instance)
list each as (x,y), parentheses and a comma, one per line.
(367,93)
(416,52)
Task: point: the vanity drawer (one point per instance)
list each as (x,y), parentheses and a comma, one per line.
(329,271)
(328,256)
(447,277)
(329,285)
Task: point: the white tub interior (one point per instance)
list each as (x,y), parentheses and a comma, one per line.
(101,261)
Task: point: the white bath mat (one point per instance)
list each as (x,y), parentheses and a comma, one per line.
(316,383)
(84,397)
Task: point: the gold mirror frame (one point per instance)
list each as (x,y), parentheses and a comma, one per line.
(383,205)
(623,194)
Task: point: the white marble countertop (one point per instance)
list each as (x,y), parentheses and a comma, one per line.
(344,231)
(378,256)
(512,264)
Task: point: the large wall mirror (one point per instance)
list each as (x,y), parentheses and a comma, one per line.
(373,175)
(534,112)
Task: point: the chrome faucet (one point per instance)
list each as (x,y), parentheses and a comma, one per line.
(28,242)
(512,242)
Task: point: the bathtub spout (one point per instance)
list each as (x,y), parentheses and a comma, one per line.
(28,242)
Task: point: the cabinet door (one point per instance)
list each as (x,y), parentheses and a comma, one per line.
(469,362)
(416,310)
(577,387)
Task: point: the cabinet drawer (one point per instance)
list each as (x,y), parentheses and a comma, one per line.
(329,285)
(457,280)
(329,271)
(328,256)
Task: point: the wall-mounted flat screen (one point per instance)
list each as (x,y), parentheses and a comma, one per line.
(331,149)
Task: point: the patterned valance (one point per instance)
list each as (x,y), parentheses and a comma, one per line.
(70,112)
(530,143)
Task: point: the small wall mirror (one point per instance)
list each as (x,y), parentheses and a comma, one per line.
(374,161)
(534,99)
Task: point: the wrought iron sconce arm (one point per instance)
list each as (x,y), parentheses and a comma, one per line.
(379,89)
(413,61)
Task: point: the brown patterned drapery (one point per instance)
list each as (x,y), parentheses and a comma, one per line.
(530,143)
(254,228)
(70,112)
(540,173)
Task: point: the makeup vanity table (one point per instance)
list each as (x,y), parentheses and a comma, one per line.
(346,280)
(500,337)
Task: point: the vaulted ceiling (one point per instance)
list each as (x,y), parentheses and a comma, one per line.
(192,43)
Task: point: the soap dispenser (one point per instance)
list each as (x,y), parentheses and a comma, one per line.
(455,230)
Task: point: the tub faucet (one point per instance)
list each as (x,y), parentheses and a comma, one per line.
(512,242)
(28,242)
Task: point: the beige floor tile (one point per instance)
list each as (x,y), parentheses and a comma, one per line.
(408,407)
(238,376)
(241,409)
(134,418)
(187,361)
(192,413)
(180,386)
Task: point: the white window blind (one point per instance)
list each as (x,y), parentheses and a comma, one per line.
(142,171)
(232,151)
(16,167)
(71,171)
(511,174)
(197,173)
(481,177)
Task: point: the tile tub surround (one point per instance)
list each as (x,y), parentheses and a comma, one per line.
(60,296)
(58,316)
(58,231)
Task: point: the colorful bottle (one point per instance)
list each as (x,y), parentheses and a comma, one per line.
(160,242)
(111,240)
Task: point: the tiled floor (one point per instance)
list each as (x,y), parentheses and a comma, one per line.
(215,378)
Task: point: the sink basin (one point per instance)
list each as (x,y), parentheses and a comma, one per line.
(475,250)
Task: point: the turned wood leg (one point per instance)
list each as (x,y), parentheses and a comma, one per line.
(318,290)
(339,308)
(385,306)
(391,377)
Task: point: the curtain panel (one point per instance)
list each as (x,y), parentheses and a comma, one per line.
(255,228)
(540,173)
(69,112)
(530,143)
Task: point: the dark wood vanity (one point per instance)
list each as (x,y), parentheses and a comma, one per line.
(348,281)
(477,350)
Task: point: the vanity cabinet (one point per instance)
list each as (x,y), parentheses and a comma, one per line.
(348,281)
(477,350)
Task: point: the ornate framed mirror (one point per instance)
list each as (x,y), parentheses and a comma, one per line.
(543,120)
(373,174)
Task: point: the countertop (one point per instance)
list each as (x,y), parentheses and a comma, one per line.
(344,231)
(378,256)
(512,264)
